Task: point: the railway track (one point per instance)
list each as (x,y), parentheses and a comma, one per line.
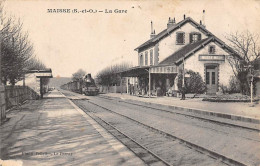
(188,115)
(151,134)
(143,153)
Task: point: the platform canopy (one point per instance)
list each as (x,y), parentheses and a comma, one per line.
(164,69)
(135,71)
(157,69)
(47,73)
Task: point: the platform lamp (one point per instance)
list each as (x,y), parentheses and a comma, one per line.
(251,77)
(184,75)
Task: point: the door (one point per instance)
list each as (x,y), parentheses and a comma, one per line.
(211,79)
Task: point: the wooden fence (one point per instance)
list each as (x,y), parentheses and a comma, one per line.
(15,95)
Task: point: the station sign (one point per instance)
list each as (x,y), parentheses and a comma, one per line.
(42,74)
(211,57)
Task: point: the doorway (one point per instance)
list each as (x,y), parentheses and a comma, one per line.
(211,79)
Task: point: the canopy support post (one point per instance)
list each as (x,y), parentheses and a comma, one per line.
(149,82)
(121,84)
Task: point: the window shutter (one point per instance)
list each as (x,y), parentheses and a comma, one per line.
(190,37)
(180,38)
(183,38)
(199,37)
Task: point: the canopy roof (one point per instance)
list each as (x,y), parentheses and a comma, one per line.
(141,70)
(41,73)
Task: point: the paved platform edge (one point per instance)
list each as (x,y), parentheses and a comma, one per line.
(115,144)
(200,111)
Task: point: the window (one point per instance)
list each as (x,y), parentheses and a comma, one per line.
(146,57)
(141,60)
(213,78)
(212,49)
(180,38)
(194,37)
(151,57)
(207,78)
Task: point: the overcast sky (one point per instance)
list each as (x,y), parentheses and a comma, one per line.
(67,42)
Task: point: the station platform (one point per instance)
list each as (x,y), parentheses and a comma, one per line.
(53,131)
(236,110)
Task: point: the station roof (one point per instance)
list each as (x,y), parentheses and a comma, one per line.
(156,69)
(47,73)
(167,32)
(135,71)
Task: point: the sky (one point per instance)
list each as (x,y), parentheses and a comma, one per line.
(66,42)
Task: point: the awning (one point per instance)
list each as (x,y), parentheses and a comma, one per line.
(135,71)
(42,73)
(164,69)
(141,70)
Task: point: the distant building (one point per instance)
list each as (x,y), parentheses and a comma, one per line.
(33,79)
(186,41)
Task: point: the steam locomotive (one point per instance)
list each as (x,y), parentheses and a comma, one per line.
(85,85)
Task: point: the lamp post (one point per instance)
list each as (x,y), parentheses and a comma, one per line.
(251,77)
(251,83)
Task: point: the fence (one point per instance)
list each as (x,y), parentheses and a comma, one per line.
(15,95)
(112,89)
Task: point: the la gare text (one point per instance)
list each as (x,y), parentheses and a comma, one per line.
(85,11)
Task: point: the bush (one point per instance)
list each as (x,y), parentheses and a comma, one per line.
(234,86)
(193,84)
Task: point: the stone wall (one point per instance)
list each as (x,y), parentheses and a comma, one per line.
(2,103)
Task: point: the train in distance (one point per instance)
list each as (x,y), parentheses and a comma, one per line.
(85,85)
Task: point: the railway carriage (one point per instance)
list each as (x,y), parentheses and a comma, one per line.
(85,85)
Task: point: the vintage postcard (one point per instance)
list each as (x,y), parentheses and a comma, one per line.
(131,82)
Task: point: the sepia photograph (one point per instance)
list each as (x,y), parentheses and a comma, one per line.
(130,82)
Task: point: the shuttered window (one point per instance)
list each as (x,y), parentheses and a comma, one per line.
(180,38)
(212,49)
(146,57)
(194,37)
(141,60)
(151,57)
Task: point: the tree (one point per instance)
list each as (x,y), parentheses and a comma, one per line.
(16,49)
(110,75)
(78,75)
(247,47)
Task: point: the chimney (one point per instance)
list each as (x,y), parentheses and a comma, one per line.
(152,30)
(184,16)
(151,27)
(203,19)
(170,22)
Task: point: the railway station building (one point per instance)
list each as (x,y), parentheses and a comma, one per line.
(184,45)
